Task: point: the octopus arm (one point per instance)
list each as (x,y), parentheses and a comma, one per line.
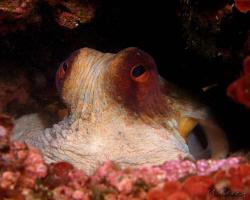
(193,113)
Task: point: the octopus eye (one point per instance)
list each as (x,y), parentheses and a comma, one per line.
(139,73)
(60,74)
(65,67)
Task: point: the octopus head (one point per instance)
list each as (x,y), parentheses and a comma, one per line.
(91,80)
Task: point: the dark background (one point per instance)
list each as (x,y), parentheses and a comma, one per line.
(153,26)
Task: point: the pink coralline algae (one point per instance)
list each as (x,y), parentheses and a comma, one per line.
(239,90)
(177,169)
(25,175)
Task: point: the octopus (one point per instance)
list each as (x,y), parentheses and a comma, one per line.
(121,109)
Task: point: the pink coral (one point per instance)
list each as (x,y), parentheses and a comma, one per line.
(80,195)
(9,180)
(63,192)
(35,168)
(239,90)
(242,5)
(77,178)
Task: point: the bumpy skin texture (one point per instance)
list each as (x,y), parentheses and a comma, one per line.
(116,115)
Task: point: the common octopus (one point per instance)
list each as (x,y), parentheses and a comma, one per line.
(121,110)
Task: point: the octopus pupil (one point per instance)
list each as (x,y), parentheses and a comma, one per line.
(138,71)
(65,67)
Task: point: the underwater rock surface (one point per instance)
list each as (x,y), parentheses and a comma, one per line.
(17,14)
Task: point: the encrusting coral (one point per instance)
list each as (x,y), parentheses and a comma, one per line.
(70,14)
(18,11)
(17,14)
